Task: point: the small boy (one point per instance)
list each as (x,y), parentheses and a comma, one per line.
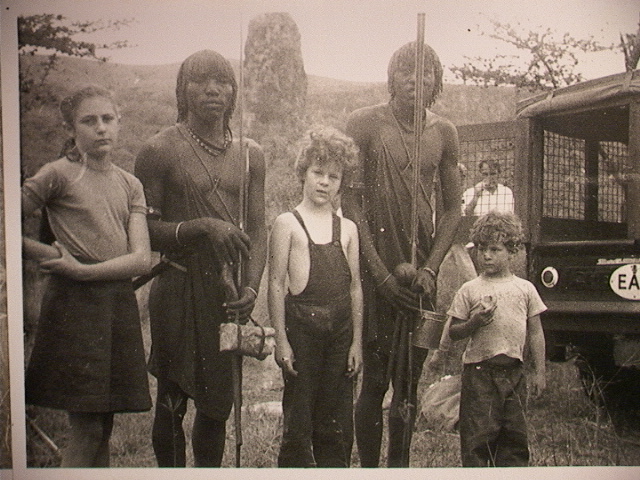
(318,321)
(501,314)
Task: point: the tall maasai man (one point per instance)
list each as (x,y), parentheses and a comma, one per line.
(192,178)
(380,201)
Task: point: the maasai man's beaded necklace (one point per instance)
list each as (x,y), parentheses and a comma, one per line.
(214,152)
(404,143)
(207,147)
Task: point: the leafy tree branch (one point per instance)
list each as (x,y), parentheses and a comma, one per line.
(52,36)
(544,60)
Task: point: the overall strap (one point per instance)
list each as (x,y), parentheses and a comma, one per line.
(304,227)
(336,229)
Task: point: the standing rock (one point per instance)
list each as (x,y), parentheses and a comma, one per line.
(275,80)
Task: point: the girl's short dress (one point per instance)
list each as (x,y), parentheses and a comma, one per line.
(88,354)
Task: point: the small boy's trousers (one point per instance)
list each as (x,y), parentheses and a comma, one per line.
(493,429)
(318,402)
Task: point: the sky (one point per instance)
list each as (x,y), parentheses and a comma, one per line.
(344,39)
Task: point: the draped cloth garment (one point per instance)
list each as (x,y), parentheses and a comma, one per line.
(388,185)
(186,307)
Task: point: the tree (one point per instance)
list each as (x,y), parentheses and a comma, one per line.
(55,35)
(549,59)
(630,45)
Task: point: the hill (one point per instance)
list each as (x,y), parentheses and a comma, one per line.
(146,95)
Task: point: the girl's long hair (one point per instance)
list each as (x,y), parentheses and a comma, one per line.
(68,108)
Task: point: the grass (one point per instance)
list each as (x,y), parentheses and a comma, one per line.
(569,429)
(565,427)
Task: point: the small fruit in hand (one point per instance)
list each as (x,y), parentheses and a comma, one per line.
(405,273)
(485,306)
(487,302)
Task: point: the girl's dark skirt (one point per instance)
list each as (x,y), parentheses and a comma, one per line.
(88,354)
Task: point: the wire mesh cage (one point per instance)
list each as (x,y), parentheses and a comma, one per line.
(564,177)
(500,151)
(571,181)
(613,174)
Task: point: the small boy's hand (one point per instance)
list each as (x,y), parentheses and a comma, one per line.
(354,364)
(482,312)
(284,358)
(65,264)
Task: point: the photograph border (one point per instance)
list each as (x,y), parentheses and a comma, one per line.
(13,228)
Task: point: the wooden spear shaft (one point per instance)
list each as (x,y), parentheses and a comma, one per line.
(418,117)
(418,112)
(242,214)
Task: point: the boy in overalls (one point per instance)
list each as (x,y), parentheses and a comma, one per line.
(318,321)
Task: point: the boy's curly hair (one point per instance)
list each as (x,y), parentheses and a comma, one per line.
(498,227)
(323,144)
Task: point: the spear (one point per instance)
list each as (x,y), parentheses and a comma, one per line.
(407,336)
(418,117)
(233,285)
(237,359)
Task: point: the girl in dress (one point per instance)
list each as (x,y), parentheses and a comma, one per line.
(88,356)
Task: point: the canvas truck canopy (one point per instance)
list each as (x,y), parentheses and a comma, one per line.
(593,109)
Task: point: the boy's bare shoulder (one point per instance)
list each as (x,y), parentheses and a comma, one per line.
(348,225)
(284,221)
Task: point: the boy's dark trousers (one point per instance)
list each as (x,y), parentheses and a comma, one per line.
(318,402)
(493,429)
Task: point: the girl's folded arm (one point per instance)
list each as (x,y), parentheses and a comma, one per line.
(136,262)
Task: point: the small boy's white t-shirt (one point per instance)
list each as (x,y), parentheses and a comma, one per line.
(516,301)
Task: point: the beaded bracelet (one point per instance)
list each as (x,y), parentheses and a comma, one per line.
(430,271)
(176,234)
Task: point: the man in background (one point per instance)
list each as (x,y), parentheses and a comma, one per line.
(487,194)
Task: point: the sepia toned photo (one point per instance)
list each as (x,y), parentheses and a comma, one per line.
(331,234)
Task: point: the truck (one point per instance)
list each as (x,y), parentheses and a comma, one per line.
(572,160)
